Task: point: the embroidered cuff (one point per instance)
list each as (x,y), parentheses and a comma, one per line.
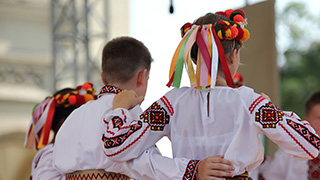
(191,170)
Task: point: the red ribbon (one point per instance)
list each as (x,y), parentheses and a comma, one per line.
(204,50)
(171,80)
(47,126)
(205,53)
(222,59)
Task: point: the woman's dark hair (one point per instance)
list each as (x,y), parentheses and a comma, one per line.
(61,113)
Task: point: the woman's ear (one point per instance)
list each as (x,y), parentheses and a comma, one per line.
(233,55)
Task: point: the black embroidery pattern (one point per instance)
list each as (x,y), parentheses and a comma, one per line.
(269,115)
(117,122)
(191,170)
(304,132)
(156,116)
(109,89)
(120,139)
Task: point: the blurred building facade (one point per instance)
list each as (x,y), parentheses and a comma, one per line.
(26,66)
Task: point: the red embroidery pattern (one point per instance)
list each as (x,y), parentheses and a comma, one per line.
(295,140)
(269,115)
(114,154)
(118,140)
(255,103)
(117,122)
(156,116)
(191,170)
(109,89)
(107,130)
(304,132)
(167,104)
(306,123)
(96,176)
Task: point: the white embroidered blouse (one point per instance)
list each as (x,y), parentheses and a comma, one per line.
(202,123)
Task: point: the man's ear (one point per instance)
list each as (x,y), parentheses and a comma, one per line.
(103,79)
(141,76)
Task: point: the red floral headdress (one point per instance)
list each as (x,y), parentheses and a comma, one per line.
(39,129)
(210,50)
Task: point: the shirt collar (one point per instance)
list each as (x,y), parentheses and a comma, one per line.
(108,89)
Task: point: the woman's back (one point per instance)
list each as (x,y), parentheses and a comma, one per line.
(227,121)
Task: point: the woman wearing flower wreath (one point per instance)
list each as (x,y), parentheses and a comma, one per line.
(210,117)
(47,116)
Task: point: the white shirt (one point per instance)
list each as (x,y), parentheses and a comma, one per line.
(203,123)
(285,167)
(78,146)
(42,167)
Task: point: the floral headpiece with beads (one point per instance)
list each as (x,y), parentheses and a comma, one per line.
(39,129)
(81,95)
(208,39)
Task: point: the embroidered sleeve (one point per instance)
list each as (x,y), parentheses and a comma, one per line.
(191,170)
(126,136)
(294,136)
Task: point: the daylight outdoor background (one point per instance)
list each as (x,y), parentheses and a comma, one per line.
(27,53)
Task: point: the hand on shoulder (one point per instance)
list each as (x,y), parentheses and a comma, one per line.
(265,96)
(126,99)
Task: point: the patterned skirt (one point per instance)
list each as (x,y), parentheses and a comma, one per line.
(243,176)
(95,175)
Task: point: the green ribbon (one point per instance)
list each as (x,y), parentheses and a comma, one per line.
(179,64)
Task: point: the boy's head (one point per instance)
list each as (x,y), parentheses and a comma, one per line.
(312,110)
(122,57)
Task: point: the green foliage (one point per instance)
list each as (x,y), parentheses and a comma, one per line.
(291,14)
(300,77)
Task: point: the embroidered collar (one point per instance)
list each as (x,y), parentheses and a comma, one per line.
(108,89)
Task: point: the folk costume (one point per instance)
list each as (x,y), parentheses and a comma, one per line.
(43,167)
(285,167)
(78,147)
(49,115)
(206,120)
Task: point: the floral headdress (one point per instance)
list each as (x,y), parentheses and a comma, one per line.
(210,50)
(39,129)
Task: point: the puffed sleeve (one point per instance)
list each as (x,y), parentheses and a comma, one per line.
(126,134)
(293,135)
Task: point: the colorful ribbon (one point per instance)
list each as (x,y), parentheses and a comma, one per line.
(210,51)
(42,116)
